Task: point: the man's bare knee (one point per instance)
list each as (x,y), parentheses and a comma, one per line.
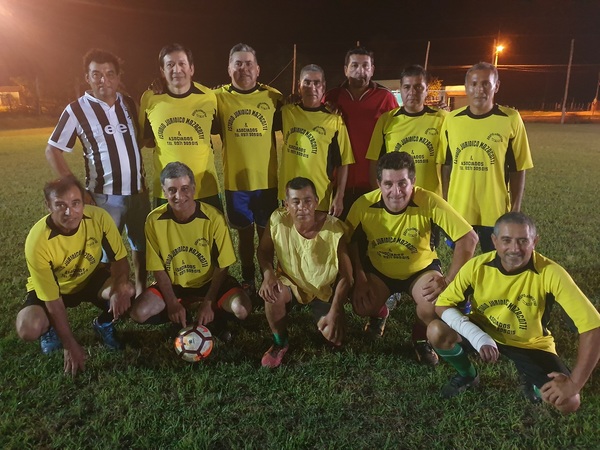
(440,335)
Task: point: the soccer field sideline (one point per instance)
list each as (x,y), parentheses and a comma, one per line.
(367,396)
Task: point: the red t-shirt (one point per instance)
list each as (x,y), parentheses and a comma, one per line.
(360,116)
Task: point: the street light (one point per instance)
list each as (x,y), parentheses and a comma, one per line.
(499,48)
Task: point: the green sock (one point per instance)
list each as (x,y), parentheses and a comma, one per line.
(280,339)
(458,359)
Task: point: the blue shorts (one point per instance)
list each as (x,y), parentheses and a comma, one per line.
(247,207)
(129,212)
(398,286)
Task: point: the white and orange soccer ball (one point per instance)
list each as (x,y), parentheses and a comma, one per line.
(194,343)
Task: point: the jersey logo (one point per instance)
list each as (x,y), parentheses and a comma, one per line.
(432,131)
(527,300)
(495,137)
(320,130)
(114,129)
(411,232)
(201,242)
(199,113)
(264,106)
(91,242)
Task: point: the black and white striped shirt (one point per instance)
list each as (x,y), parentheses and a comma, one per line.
(113,161)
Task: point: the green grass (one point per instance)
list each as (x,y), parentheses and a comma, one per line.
(365,396)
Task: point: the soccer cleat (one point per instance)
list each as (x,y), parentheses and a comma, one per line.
(458,384)
(528,390)
(375,327)
(106,331)
(273,357)
(50,342)
(425,353)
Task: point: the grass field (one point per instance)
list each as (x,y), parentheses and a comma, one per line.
(365,396)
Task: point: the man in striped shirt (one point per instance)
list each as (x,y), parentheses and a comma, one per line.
(104,121)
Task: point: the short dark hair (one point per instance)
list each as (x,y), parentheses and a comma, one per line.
(482,65)
(241,47)
(299,183)
(396,161)
(312,68)
(175,47)
(101,56)
(176,169)
(359,51)
(515,217)
(60,186)
(414,70)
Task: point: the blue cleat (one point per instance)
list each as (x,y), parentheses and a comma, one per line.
(50,342)
(106,331)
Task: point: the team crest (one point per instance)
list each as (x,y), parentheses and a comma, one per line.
(495,137)
(264,106)
(199,113)
(411,232)
(432,131)
(527,300)
(91,242)
(320,130)
(202,242)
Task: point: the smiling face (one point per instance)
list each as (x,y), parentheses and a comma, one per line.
(480,87)
(413,90)
(178,72)
(396,189)
(66,209)
(104,81)
(243,70)
(312,89)
(180,196)
(514,244)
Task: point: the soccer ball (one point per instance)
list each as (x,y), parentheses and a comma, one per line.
(193,344)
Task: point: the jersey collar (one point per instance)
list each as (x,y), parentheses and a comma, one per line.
(192,90)
(198,214)
(498,265)
(495,111)
(55,232)
(402,112)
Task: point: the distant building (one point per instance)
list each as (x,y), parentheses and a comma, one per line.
(453,97)
(10,97)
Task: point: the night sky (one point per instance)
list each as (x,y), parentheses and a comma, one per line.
(47,39)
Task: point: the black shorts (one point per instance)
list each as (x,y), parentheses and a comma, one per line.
(533,364)
(190,296)
(399,286)
(318,308)
(90,293)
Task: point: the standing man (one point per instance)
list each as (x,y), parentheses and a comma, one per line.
(315,143)
(391,247)
(362,101)
(512,291)
(487,154)
(63,252)
(414,128)
(314,267)
(178,121)
(189,252)
(104,121)
(249,114)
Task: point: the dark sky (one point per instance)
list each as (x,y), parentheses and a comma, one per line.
(47,38)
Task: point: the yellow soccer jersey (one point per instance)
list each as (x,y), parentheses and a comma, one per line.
(190,251)
(248,123)
(417,134)
(309,264)
(514,308)
(62,264)
(315,143)
(482,151)
(180,126)
(399,245)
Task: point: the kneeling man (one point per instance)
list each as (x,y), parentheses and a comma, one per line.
(392,249)
(314,267)
(63,252)
(189,250)
(512,291)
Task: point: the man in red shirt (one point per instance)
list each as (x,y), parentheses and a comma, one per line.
(361,101)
